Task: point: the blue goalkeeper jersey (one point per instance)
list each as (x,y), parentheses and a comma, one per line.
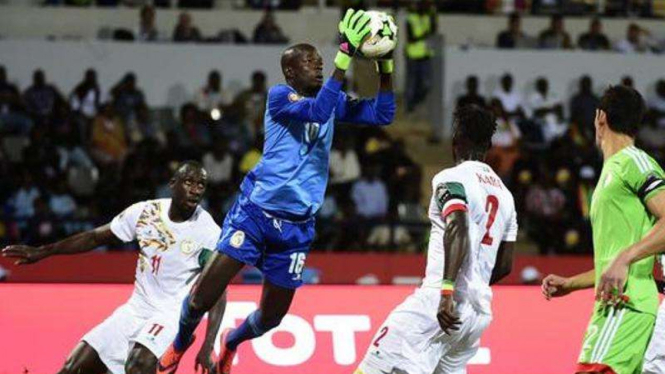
(290,179)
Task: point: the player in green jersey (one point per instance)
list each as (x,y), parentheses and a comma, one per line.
(626,211)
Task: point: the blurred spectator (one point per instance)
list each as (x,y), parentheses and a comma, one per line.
(12,116)
(71,154)
(594,39)
(23,200)
(547,110)
(635,41)
(510,99)
(583,108)
(141,126)
(544,207)
(268,32)
(627,81)
(656,105)
(212,95)
(344,166)
(41,98)
(127,98)
(185,31)
(108,140)
(61,203)
(651,138)
(420,26)
(504,151)
(198,4)
(253,101)
(86,96)
(555,37)
(219,163)
(370,194)
(147,31)
(194,132)
(472,96)
(513,37)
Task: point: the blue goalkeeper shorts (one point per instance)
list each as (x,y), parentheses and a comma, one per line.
(277,247)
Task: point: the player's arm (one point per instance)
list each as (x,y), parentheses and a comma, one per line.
(456,244)
(504,262)
(215,316)
(286,104)
(79,243)
(452,203)
(556,286)
(613,279)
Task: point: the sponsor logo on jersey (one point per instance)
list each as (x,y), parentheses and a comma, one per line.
(237,239)
(188,247)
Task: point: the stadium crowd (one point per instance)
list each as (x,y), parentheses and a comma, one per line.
(544,149)
(70,162)
(637,39)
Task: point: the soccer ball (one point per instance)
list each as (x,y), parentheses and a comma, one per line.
(382,38)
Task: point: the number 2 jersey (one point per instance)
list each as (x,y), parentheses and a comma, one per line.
(473,187)
(171,255)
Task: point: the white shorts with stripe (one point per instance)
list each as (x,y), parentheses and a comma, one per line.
(410,341)
(654,359)
(129,324)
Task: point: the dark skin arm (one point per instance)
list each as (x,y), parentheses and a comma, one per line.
(215,315)
(79,243)
(504,262)
(338,74)
(456,242)
(385,82)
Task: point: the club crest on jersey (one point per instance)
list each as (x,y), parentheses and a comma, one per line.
(237,239)
(187,247)
(293,97)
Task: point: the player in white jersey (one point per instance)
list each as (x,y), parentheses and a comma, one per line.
(654,358)
(174,236)
(438,328)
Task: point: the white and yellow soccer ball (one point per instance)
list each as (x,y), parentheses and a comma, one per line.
(382,38)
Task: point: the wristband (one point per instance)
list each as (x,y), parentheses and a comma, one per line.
(447,287)
(342,61)
(385,66)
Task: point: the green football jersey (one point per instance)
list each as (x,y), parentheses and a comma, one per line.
(619,218)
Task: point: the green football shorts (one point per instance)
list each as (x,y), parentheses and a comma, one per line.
(616,339)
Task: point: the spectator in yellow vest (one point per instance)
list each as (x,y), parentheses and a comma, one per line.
(420,25)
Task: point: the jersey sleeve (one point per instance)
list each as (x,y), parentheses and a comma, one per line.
(284,103)
(642,175)
(209,243)
(510,234)
(123,225)
(450,195)
(378,111)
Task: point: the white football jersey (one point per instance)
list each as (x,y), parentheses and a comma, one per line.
(170,256)
(472,186)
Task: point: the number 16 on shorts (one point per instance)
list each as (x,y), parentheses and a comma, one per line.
(297,265)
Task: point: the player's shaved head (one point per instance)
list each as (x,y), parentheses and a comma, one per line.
(473,128)
(188,167)
(293,55)
(302,67)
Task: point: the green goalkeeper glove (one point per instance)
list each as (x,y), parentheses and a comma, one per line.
(353,30)
(385,64)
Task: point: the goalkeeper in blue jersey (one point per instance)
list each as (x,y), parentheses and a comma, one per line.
(271,225)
